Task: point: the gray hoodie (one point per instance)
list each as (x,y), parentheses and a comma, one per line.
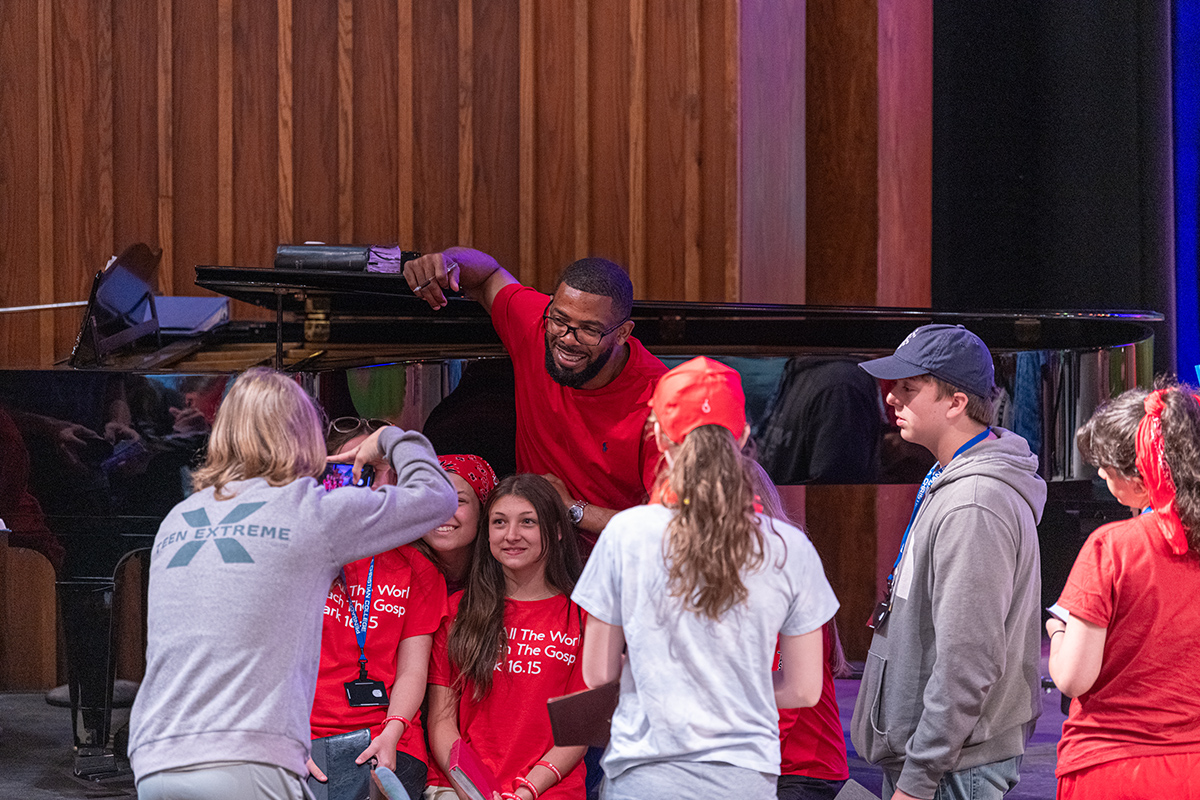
(237,596)
(951,680)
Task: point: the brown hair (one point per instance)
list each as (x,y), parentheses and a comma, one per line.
(714,535)
(266,427)
(979,409)
(1181,444)
(1109,438)
(477,640)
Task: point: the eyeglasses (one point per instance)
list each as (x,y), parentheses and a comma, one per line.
(589,337)
(352,424)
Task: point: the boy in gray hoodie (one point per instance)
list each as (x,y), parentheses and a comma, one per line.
(949,696)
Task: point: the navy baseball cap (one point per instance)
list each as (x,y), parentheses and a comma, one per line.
(948,352)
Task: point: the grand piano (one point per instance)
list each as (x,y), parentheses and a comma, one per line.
(110,436)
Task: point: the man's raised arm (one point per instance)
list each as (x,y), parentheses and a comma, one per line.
(478,275)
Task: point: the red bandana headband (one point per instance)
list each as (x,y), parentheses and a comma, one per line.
(474,470)
(1156,473)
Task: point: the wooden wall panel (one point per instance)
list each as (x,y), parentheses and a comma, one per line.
(255,138)
(435,118)
(496,127)
(717,220)
(314,127)
(609,87)
(905,154)
(375,121)
(194,138)
(539,131)
(82,153)
(842,130)
(773,172)
(135,122)
(554,141)
(666,67)
(19,182)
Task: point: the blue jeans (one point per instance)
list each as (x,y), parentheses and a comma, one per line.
(985,782)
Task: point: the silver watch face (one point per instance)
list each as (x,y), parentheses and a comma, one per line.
(576,514)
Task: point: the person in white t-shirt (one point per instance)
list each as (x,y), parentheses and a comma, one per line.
(699,585)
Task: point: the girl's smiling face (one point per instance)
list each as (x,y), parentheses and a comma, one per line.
(459,531)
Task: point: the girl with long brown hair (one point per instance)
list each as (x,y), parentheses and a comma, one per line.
(1127,651)
(513,641)
(700,586)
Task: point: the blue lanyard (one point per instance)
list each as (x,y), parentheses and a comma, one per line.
(935,471)
(360,629)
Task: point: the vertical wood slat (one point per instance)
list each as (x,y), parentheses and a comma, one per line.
(528,142)
(466,127)
(691,152)
(733,151)
(166,168)
(286,164)
(582,100)
(46,256)
(905,154)
(637,147)
(345,73)
(225,131)
(104,126)
(405,132)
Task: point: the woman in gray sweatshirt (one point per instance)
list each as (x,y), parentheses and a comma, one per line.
(239,572)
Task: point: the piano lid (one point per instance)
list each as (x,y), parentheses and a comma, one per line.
(351,298)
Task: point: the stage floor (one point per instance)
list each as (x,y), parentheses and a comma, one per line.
(35,751)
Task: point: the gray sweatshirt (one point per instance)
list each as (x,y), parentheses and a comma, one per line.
(951,679)
(237,597)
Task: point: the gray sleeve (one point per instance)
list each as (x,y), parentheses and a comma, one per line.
(422,499)
(974,562)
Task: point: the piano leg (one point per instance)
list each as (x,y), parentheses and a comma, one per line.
(87,608)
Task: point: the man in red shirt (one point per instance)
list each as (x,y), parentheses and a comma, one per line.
(582,381)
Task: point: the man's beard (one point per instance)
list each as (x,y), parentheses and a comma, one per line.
(574,380)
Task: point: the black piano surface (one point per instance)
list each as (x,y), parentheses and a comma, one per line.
(98,452)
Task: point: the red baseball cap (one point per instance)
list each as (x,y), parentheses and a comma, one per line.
(699,392)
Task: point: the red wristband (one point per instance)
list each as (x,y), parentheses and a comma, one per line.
(550,767)
(528,784)
(407,724)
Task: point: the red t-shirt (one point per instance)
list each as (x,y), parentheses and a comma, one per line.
(408,599)
(510,727)
(595,440)
(811,741)
(1146,699)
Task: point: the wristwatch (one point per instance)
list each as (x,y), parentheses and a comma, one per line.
(576,511)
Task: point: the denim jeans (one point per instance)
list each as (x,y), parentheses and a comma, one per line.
(985,782)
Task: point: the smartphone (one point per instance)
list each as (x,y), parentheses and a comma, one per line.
(337,475)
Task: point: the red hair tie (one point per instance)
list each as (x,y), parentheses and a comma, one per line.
(1156,473)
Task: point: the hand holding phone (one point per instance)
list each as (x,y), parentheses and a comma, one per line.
(338,475)
(358,458)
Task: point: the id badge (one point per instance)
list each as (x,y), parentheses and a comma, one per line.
(365,693)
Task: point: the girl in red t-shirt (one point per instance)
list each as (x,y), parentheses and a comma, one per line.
(512,642)
(407,606)
(1128,648)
